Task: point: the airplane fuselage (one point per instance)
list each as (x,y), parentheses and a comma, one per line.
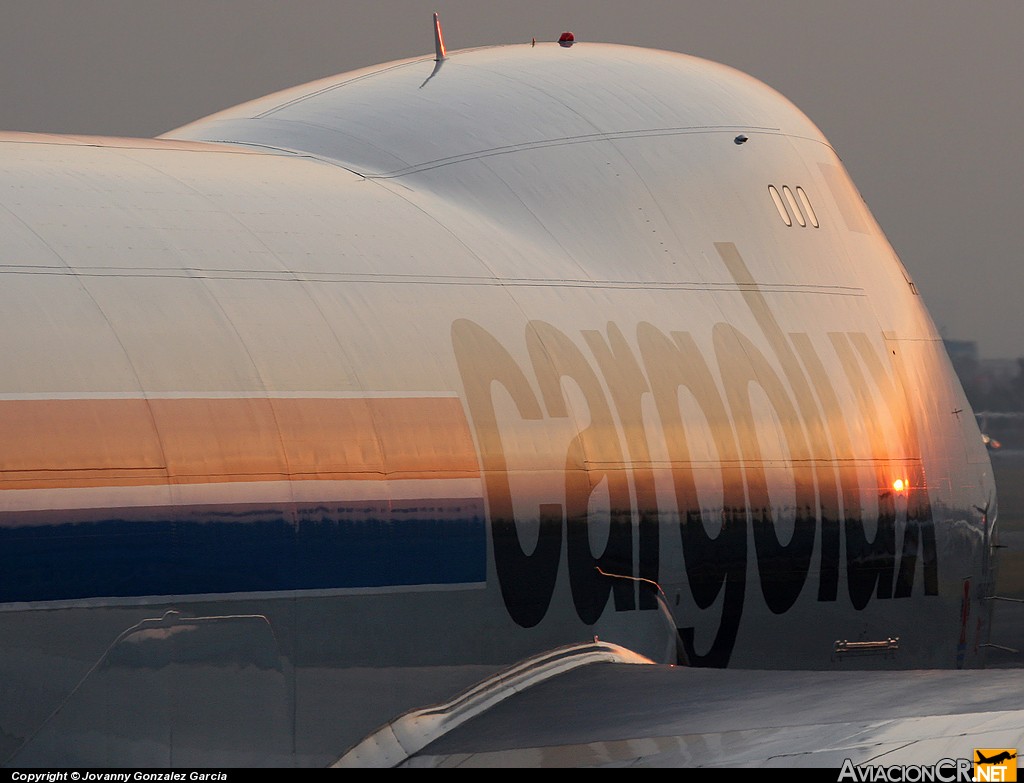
(384,376)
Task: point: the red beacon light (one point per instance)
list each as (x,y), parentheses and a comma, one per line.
(566,39)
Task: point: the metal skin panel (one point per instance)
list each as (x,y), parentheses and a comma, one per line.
(433,375)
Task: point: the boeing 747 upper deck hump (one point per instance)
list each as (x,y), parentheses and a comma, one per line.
(427,383)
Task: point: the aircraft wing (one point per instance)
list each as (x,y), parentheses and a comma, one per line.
(613,714)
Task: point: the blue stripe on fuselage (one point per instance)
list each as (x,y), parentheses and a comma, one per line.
(157,551)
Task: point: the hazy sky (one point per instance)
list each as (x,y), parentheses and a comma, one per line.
(922,99)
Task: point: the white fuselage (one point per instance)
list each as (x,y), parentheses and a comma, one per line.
(381,384)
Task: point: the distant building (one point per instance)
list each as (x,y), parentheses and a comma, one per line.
(1000,368)
(965,351)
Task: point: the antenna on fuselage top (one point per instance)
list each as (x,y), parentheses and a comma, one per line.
(440,52)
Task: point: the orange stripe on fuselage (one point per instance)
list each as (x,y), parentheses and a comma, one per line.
(129,442)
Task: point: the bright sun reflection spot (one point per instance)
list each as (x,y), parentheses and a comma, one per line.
(899,485)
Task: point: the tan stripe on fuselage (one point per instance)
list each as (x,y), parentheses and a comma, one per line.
(46,443)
